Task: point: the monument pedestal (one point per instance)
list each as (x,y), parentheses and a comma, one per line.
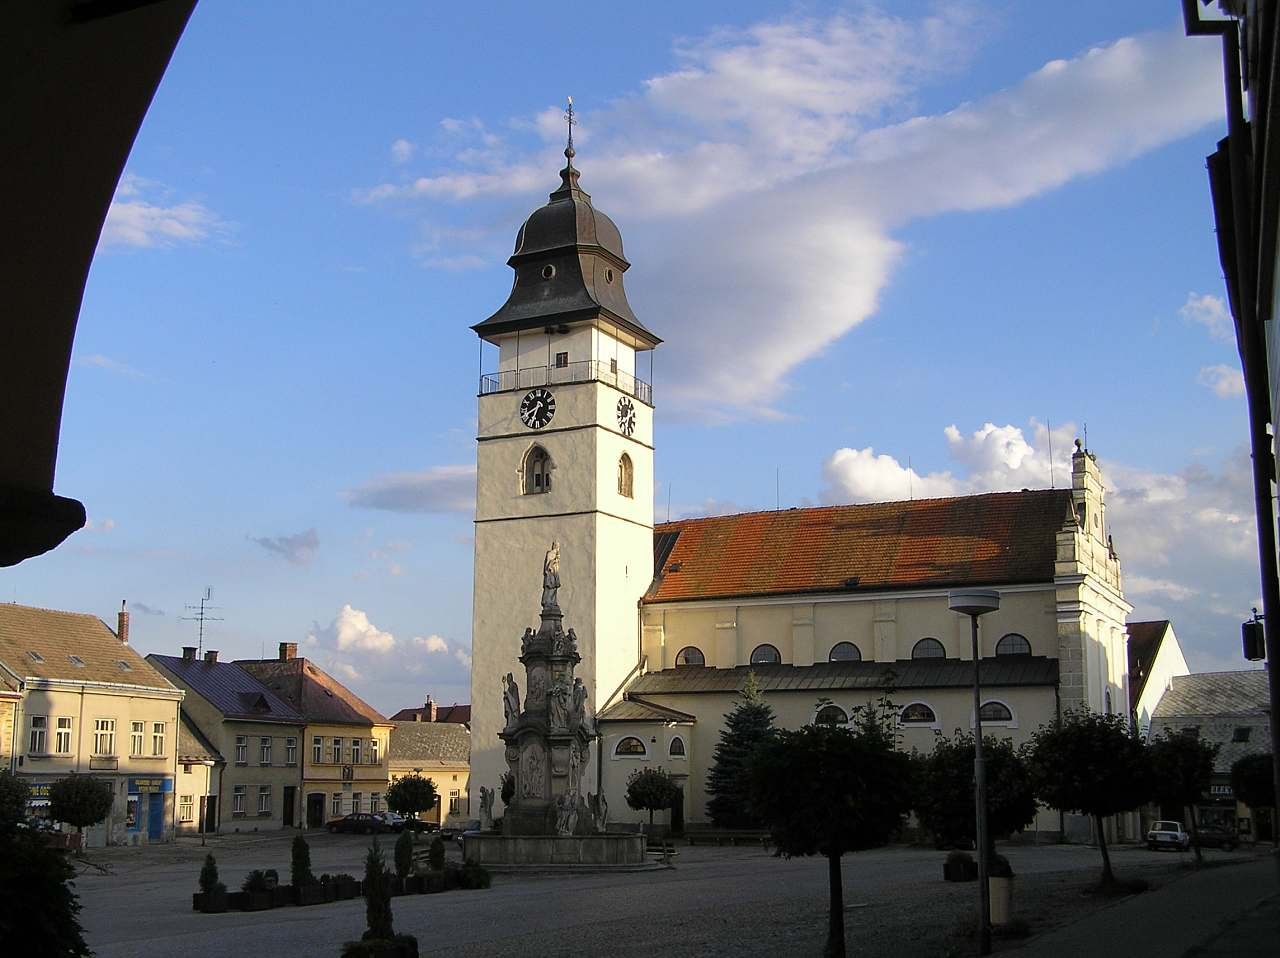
(487,848)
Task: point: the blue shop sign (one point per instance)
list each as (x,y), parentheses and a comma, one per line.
(150,783)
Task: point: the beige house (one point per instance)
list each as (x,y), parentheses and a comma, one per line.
(441,752)
(91,705)
(200,768)
(257,733)
(1155,660)
(345,740)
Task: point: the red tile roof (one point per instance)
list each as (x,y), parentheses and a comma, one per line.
(312,691)
(1002,537)
(457,714)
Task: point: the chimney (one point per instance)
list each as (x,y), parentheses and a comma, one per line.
(122,624)
(429,710)
(211,657)
(188,653)
(288,651)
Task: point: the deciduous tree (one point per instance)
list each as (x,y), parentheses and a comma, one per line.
(1181,770)
(1093,764)
(827,790)
(749,724)
(651,789)
(411,794)
(1253,784)
(944,799)
(80,800)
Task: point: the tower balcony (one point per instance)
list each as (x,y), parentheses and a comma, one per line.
(583,371)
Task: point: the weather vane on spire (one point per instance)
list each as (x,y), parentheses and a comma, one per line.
(568,116)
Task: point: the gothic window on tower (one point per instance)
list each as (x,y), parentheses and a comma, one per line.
(537,471)
(626,477)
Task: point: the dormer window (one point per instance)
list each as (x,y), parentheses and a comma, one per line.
(537,471)
(626,477)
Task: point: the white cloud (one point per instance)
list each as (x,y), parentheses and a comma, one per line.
(1210,312)
(432,643)
(437,489)
(401,151)
(791,123)
(1225,381)
(1140,585)
(463,657)
(138,217)
(99,361)
(352,630)
(298,549)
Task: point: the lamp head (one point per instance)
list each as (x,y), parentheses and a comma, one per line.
(973,602)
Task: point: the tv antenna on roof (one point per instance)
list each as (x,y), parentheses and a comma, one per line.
(201,616)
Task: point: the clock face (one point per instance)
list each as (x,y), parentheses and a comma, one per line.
(626,416)
(537,408)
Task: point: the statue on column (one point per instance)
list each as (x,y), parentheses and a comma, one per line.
(558,705)
(510,699)
(486,809)
(551,578)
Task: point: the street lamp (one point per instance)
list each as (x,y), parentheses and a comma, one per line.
(975,603)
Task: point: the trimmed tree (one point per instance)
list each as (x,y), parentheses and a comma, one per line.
(944,797)
(652,789)
(1253,784)
(80,800)
(404,854)
(749,724)
(1181,770)
(300,863)
(13,801)
(411,794)
(1092,764)
(827,790)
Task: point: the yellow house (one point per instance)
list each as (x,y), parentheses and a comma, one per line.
(345,740)
(91,705)
(441,752)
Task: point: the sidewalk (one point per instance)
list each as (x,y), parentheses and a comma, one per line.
(1231,911)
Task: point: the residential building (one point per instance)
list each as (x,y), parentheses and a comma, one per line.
(345,740)
(830,607)
(441,752)
(92,705)
(200,768)
(257,733)
(1231,710)
(431,712)
(1155,657)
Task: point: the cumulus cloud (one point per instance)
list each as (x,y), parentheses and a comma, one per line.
(1225,381)
(401,151)
(797,123)
(351,630)
(437,489)
(431,643)
(140,216)
(1210,312)
(299,548)
(463,656)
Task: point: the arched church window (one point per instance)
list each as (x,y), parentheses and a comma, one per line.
(676,748)
(626,476)
(690,655)
(928,649)
(1013,644)
(831,715)
(765,655)
(537,471)
(995,712)
(631,747)
(917,713)
(844,652)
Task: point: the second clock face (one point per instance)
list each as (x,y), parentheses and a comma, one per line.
(626,416)
(537,408)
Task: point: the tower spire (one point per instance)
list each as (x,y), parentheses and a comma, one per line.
(569,175)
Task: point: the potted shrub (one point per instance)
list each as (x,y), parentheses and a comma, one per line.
(347,886)
(474,876)
(256,889)
(212,896)
(306,889)
(379,939)
(1000,876)
(329,887)
(280,894)
(960,866)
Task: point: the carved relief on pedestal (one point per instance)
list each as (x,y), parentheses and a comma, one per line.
(558,705)
(537,699)
(533,771)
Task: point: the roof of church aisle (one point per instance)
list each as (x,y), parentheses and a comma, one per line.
(995,538)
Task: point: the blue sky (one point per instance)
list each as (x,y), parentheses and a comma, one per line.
(871,236)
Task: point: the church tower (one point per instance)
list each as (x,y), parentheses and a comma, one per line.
(565,455)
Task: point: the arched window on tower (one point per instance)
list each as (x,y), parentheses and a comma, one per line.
(536,474)
(626,477)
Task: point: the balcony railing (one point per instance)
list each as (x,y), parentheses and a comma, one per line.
(583,371)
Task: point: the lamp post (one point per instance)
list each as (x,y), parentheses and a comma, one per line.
(975,603)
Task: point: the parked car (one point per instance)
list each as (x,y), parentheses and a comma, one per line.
(1165,834)
(394,820)
(420,825)
(454,831)
(1216,836)
(363,822)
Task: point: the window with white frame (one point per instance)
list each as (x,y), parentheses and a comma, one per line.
(291,751)
(355,751)
(373,751)
(264,799)
(994,711)
(38,742)
(917,713)
(186,808)
(264,750)
(455,801)
(238,793)
(676,748)
(831,715)
(335,806)
(537,471)
(355,801)
(62,735)
(157,738)
(630,747)
(135,738)
(242,750)
(104,736)
(375,802)
(317,749)
(337,752)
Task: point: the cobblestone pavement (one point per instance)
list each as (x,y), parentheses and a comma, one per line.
(730,901)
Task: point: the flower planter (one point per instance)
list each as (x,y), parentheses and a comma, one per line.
(212,903)
(414,885)
(395,885)
(330,891)
(313,894)
(282,895)
(347,889)
(256,900)
(1001,899)
(960,871)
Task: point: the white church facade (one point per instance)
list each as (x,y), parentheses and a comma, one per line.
(830,607)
